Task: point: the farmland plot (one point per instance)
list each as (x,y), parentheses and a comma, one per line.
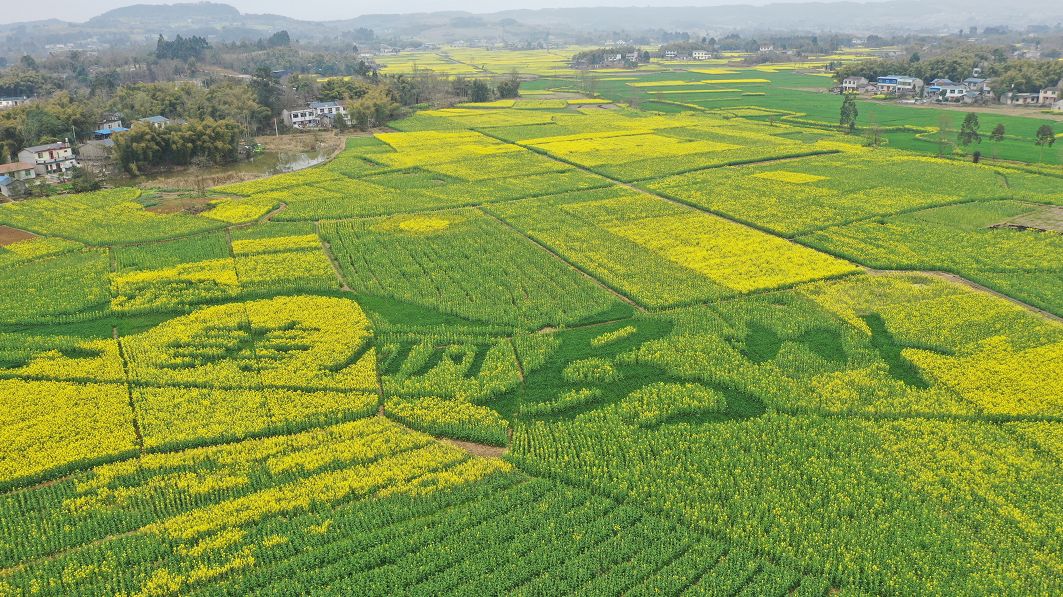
(467,358)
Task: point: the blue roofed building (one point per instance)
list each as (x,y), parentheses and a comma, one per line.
(899,85)
(107,133)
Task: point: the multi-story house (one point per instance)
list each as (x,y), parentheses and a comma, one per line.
(53,158)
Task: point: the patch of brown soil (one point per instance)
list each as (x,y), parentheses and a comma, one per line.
(182,205)
(1048,218)
(328,141)
(13,235)
(481,450)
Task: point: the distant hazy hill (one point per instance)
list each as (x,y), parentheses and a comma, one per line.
(222,22)
(168,12)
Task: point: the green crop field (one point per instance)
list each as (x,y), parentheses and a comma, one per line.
(768,95)
(547,348)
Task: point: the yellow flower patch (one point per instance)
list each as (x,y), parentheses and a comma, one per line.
(730,254)
(663,83)
(790,177)
(238,211)
(692,91)
(733,81)
(45,425)
(424,224)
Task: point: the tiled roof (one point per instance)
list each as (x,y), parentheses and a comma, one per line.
(15,167)
(36,148)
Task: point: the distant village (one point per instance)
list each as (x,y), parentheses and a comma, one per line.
(972,90)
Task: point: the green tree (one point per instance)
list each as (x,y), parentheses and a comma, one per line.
(373,109)
(280,39)
(83,181)
(267,89)
(479,91)
(181,48)
(509,87)
(43,126)
(338,89)
(1045,138)
(206,141)
(997,136)
(849,112)
(969,130)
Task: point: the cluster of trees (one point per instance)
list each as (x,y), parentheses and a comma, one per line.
(226,99)
(374,108)
(292,59)
(202,142)
(21,81)
(383,97)
(60,117)
(1019,74)
(181,48)
(479,90)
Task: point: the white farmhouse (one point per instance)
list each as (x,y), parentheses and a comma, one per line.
(54,158)
(853,84)
(12,101)
(315,115)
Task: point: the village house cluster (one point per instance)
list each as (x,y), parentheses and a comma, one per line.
(972,90)
(54,162)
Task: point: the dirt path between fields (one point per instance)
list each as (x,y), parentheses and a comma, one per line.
(558,256)
(991,109)
(481,450)
(968,283)
(327,248)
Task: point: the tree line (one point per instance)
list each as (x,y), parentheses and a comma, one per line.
(969,132)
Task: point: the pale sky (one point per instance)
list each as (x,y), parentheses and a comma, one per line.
(321,10)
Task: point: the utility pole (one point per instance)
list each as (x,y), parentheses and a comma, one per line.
(276,127)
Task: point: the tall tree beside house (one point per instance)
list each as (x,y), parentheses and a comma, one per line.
(969,130)
(849,112)
(996,137)
(42,126)
(267,89)
(341,89)
(374,108)
(1045,138)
